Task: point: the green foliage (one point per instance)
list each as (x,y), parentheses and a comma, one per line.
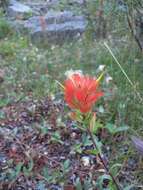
(77,148)
(27,170)
(101,179)
(11,46)
(115,168)
(20,168)
(66,166)
(86,140)
(133,3)
(55,176)
(86,185)
(113,129)
(78,184)
(98,125)
(48,177)
(56,137)
(7,49)
(5,29)
(14,173)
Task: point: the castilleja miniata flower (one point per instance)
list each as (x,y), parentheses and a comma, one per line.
(81,92)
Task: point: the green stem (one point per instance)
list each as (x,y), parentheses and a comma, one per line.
(102,161)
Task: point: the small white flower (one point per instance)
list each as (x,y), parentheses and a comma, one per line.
(101,109)
(100,68)
(59,120)
(70,72)
(73,135)
(108,79)
(52,47)
(24,59)
(52,96)
(85,160)
(36,49)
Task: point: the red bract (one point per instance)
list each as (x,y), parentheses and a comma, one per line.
(81,92)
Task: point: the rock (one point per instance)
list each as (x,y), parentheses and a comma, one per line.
(43,25)
(80,2)
(58,33)
(55,27)
(52,17)
(59,17)
(18,10)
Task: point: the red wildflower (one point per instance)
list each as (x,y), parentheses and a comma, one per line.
(81,92)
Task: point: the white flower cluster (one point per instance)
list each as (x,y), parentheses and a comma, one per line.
(70,72)
(108,78)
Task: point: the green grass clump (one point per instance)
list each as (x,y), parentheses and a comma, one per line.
(5,29)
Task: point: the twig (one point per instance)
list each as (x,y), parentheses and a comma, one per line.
(102,161)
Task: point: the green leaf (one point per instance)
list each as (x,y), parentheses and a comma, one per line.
(47,175)
(18,168)
(98,144)
(29,168)
(85,140)
(114,129)
(121,129)
(78,184)
(114,169)
(2,115)
(87,184)
(93,152)
(97,125)
(66,165)
(44,130)
(15,173)
(77,148)
(110,127)
(101,179)
(57,138)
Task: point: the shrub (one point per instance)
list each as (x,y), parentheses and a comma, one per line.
(5,28)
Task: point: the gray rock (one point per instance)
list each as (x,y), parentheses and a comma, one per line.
(59,17)
(52,17)
(80,2)
(55,27)
(58,33)
(18,10)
